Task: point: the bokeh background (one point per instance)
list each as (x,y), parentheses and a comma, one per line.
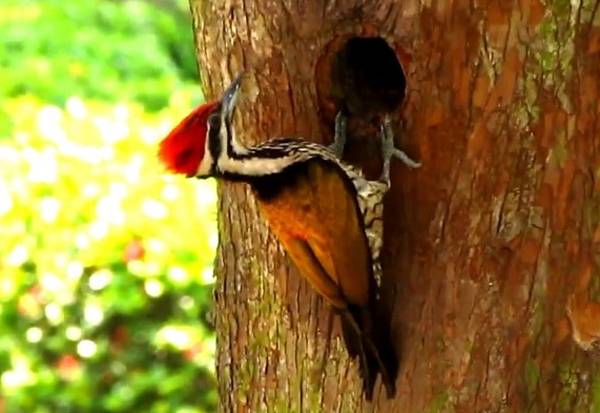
(106,261)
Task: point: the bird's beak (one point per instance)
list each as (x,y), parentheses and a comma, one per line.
(230,96)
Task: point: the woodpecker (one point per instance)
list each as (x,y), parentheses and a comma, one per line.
(325,214)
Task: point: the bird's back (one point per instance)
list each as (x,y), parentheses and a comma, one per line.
(312,208)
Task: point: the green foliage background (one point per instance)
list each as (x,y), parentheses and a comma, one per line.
(107,49)
(106,264)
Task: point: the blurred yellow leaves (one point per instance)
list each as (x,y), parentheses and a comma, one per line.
(81,179)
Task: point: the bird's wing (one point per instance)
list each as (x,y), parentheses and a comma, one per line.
(314,214)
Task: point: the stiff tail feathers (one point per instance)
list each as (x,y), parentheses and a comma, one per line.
(370,342)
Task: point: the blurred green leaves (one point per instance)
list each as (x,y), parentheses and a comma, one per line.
(101,49)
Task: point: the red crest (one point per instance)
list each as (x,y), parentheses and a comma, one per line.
(183,149)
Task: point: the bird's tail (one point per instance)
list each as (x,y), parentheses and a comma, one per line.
(370,341)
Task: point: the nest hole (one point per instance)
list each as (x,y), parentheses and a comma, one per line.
(360,75)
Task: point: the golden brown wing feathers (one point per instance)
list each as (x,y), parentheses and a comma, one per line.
(318,223)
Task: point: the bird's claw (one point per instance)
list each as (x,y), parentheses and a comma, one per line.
(388,150)
(337,147)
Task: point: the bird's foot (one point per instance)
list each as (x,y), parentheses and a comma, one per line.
(388,150)
(337,147)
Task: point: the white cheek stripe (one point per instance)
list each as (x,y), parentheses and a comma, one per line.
(254,166)
(235,144)
(206,162)
(247,166)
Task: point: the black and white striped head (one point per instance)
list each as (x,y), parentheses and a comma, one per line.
(193,146)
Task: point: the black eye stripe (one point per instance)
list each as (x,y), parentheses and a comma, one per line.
(214,138)
(214,121)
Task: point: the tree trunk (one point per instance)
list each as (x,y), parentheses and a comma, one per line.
(492,249)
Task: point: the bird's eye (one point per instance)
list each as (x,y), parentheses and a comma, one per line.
(214,121)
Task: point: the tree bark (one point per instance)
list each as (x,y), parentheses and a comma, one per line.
(492,249)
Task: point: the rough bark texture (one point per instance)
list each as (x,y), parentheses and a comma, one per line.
(492,250)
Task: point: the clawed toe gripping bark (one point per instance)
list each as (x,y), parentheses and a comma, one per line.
(339,142)
(388,150)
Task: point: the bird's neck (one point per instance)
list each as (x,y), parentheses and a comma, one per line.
(238,161)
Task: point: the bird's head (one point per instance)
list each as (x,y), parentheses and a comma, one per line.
(193,146)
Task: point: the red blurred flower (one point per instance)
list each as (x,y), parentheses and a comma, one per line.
(134,250)
(191,353)
(68,367)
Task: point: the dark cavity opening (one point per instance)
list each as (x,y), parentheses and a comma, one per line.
(367,78)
